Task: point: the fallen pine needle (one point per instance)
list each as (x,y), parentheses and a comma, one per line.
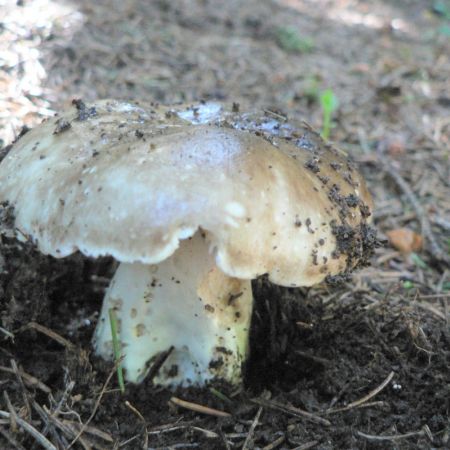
(7,333)
(251,431)
(436,251)
(89,430)
(50,333)
(306,445)
(31,430)
(28,379)
(141,418)
(56,423)
(428,307)
(421,296)
(199,408)
(366,398)
(207,433)
(275,443)
(97,404)
(11,440)
(12,412)
(393,437)
(296,412)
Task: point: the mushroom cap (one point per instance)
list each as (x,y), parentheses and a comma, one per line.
(129,180)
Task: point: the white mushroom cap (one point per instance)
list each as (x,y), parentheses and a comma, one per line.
(118,179)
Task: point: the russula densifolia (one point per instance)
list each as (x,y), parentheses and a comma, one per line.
(194,202)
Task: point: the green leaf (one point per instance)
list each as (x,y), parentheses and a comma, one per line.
(329,103)
(328,100)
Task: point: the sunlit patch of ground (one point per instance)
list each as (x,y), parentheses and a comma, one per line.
(23,28)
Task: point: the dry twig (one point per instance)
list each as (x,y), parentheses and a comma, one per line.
(199,408)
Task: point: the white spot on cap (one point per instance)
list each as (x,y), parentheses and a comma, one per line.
(235,209)
(201,113)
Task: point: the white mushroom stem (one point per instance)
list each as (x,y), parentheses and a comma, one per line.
(187,303)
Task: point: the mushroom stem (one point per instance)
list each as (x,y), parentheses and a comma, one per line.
(187,303)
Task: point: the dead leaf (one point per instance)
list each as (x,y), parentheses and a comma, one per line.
(405,240)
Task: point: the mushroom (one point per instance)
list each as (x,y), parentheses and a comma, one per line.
(193,202)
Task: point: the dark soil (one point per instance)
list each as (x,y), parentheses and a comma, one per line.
(361,365)
(307,353)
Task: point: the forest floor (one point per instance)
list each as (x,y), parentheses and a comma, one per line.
(365,365)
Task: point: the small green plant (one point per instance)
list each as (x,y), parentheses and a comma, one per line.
(290,40)
(329,103)
(408,284)
(116,348)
